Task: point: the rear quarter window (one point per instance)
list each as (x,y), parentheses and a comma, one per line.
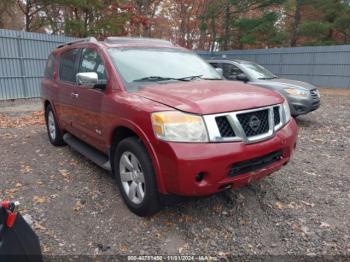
(50,67)
(68,65)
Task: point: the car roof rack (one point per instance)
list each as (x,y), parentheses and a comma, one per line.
(90,39)
(143,40)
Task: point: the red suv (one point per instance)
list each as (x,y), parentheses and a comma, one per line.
(162,119)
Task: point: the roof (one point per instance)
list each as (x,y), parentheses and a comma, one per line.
(123,41)
(137,40)
(239,61)
(83,40)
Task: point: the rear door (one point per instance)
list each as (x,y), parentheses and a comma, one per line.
(69,61)
(88,119)
(48,84)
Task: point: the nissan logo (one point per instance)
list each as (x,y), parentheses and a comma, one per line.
(254,123)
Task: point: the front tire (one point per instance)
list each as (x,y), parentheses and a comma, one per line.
(135,177)
(53,131)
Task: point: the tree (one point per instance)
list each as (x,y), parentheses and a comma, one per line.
(31,11)
(144,16)
(341,25)
(296,22)
(81,18)
(224,20)
(179,21)
(198,24)
(10,15)
(260,31)
(324,25)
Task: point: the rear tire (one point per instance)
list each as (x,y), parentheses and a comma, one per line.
(53,131)
(135,177)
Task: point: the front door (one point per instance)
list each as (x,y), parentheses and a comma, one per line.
(88,120)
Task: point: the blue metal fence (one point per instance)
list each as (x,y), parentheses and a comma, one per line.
(22,62)
(23,57)
(326,66)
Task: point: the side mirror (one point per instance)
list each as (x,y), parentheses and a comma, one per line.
(242,77)
(220,71)
(87,79)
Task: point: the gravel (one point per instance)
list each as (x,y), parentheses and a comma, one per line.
(74,207)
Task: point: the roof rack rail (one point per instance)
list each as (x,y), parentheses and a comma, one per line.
(125,40)
(83,40)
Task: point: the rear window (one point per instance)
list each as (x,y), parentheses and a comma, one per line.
(50,67)
(68,63)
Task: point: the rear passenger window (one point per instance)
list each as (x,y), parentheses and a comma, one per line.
(92,62)
(50,67)
(67,65)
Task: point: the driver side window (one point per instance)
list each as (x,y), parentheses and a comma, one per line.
(231,71)
(92,62)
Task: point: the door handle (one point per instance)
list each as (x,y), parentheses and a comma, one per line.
(74,95)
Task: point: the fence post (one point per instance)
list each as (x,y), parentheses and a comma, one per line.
(280,65)
(21,64)
(313,67)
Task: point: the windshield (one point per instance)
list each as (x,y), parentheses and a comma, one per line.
(160,64)
(256,71)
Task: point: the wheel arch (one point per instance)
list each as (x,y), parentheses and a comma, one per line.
(125,130)
(46,104)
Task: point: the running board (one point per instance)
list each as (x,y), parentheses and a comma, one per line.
(88,151)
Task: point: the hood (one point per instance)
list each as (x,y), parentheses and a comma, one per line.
(284,83)
(209,97)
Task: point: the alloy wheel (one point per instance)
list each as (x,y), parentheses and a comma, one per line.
(132,177)
(51,125)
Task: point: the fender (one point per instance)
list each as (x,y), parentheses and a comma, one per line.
(148,144)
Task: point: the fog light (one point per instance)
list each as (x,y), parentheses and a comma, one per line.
(200,176)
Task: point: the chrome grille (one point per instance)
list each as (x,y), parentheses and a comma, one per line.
(248,126)
(315,94)
(224,127)
(276,115)
(254,123)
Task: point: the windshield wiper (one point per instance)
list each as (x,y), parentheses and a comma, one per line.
(212,78)
(161,78)
(267,78)
(189,78)
(154,78)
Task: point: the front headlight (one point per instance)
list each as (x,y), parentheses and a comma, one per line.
(179,127)
(297,92)
(286,112)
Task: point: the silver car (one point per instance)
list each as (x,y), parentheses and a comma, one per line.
(302,97)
